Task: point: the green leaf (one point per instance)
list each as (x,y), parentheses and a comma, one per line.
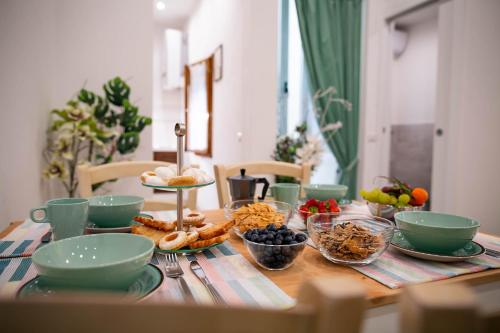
(57,124)
(61,113)
(111,120)
(101,108)
(129,115)
(116,91)
(87,97)
(128,142)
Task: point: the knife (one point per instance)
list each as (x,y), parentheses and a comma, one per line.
(200,274)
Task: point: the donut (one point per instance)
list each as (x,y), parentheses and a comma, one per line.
(202,226)
(165,173)
(194,218)
(207,242)
(182,181)
(174,240)
(192,236)
(147,174)
(157,224)
(215,230)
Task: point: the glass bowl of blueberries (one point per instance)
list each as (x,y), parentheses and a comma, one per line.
(274,248)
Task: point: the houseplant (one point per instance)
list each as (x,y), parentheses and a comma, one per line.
(92,129)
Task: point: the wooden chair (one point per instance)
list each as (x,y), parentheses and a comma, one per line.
(303,173)
(433,308)
(324,306)
(88,175)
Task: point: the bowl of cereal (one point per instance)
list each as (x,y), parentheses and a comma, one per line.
(252,214)
(350,239)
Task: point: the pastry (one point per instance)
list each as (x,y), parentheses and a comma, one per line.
(165,172)
(157,224)
(194,218)
(154,234)
(200,176)
(215,230)
(182,181)
(192,236)
(202,226)
(173,241)
(147,174)
(208,242)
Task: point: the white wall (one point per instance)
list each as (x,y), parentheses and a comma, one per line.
(46,58)
(245,99)
(414,74)
(473,152)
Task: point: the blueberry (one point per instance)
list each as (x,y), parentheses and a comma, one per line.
(270,237)
(262,238)
(283,227)
(278,241)
(269,242)
(268,251)
(254,237)
(271,227)
(300,238)
(276,250)
(293,242)
(288,239)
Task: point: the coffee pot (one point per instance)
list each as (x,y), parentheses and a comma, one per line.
(243,187)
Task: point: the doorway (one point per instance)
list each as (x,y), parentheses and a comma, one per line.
(413,66)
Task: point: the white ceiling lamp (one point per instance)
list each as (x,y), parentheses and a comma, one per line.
(160,5)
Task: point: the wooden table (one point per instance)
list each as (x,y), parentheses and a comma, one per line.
(313,264)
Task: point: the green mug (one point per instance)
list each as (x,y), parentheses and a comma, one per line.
(68,217)
(286,192)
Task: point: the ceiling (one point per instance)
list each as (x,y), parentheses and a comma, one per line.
(176,12)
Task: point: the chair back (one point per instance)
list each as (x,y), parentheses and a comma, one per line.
(303,173)
(324,306)
(433,308)
(89,175)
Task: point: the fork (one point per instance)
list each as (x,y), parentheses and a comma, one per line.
(174,270)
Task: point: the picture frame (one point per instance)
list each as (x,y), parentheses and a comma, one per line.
(218,63)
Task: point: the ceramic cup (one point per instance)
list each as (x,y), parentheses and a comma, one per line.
(67,216)
(286,192)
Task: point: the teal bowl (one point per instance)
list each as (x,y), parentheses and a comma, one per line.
(436,232)
(325,191)
(101,261)
(113,211)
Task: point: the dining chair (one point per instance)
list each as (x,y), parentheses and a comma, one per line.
(433,308)
(324,305)
(89,175)
(303,173)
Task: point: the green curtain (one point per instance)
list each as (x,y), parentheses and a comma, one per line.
(331,39)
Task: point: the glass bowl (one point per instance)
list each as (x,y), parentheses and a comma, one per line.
(282,208)
(275,257)
(350,239)
(388,211)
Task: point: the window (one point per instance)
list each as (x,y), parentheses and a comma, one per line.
(295,103)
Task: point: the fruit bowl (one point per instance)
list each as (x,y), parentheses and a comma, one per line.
(314,206)
(274,248)
(388,211)
(350,239)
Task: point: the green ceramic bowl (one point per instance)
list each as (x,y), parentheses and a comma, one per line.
(102,261)
(436,232)
(113,211)
(325,191)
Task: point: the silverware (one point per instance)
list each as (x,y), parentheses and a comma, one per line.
(198,271)
(174,270)
(493,253)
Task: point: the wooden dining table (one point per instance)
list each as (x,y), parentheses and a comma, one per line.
(312,264)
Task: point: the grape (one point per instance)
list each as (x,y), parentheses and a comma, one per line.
(372,196)
(393,201)
(363,193)
(404,199)
(384,198)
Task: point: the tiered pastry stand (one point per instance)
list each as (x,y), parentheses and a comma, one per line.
(180,132)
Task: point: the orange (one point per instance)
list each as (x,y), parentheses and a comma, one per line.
(420,195)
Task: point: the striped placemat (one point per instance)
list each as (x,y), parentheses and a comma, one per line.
(237,280)
(395,269)
(23,240)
